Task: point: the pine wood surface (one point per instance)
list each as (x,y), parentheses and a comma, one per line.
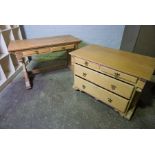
(133,64)
(104,81)
(20,45)
(101,94)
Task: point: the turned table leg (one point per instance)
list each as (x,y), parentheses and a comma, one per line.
(26,76)
(68,59)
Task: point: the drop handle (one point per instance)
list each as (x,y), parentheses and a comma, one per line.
(116,75)
(83,86)
(86,63)
(37,52)
(109,100)
(113,87)
(63,48)
(84,74)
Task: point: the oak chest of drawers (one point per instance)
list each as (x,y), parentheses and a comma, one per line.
(112,76)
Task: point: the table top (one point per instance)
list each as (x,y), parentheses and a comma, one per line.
(19,45)
(127,62)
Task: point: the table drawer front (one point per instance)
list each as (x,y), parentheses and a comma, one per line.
(86,63)
(104,81)
(36,51)
(63,47)
(109,98)
(118,75)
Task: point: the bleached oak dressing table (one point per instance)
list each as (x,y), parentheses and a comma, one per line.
(115,77)
(24,48)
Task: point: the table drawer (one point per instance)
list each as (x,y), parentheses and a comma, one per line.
(116,86)
(107,97)
(86,63)
(118,75)
(36,51)
(63,47)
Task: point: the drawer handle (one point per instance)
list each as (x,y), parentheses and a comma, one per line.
(86,63)
(109,100)
(116,75)
(113,87)
(83,86)
(84,74)
(37,52)
(63,48)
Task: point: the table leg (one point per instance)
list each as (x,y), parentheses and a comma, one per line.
(68,58)
(26,76)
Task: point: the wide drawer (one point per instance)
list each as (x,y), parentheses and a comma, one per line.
(107,97)
(118,75)
(36,51)
(63,47)
(104,81)
(87,64)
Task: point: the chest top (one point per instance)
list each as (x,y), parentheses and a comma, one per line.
(127,62)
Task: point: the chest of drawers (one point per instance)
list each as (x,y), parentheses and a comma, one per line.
(111,76)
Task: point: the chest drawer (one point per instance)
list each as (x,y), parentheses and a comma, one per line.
(116,86)
(86,63)
(107,97)
(118,75)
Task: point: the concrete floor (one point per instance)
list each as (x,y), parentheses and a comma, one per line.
(53,103)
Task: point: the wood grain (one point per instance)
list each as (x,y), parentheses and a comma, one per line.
(118,75)
(107,97)
(87,63)
(123,61)
(20,45)
(104,81)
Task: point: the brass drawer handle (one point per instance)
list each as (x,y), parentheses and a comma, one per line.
(116,75)
(84,74)
(109,100)
(37,52)
(83,86)
(113,87)
(86,63)
(63,48)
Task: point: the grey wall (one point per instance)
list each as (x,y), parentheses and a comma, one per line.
(145,43)
(139,39)
(130,36)
(106,35)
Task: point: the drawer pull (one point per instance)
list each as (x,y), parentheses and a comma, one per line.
(109,100)
(116,75)
(37,52)
(83,86)
(84,74)
(113,87)
(86,63)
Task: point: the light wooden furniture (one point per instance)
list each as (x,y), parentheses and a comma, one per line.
(24,48)
(9,66)
(112,76)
